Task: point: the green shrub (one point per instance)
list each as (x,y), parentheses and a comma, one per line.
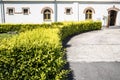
(6,35)
(37,54)
(21,27)
(33,55)
(74,28)
(4,28)
(57,23)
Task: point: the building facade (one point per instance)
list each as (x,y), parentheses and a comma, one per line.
(47,11)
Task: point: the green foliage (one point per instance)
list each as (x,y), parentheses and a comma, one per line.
(5,35)
(73,28)
(32,55)
(57,23)
(37,54)
(20,27)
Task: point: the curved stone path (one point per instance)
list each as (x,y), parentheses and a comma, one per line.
(95,55)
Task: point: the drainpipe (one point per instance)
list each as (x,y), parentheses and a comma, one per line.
(78,11)
(1,9)
(55,8)
(2,12)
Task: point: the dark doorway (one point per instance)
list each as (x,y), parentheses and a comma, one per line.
(113,15)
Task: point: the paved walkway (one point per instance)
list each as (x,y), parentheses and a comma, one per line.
(95,55)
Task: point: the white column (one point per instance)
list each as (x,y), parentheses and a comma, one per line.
(118,19)
(2,13)
(76,11)
(55,11)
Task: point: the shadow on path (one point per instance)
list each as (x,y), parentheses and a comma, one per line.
(67,65)
(111,27)
(92,70)
(96,70)
(70,76)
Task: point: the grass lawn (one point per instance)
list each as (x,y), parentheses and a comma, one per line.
(5,35)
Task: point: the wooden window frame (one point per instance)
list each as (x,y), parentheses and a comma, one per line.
(28,12)
(47,15)
(8,12)
(88,14)
(70,12)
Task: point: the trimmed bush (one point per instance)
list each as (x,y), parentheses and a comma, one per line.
(73,28)
(57,23)
(5,35)
(33,55)
(38,54)
(20,27)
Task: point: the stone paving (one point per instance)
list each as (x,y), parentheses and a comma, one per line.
(95,55)
(103,45)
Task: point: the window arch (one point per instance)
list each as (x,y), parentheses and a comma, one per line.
(113,8)
(88,14)
(47,12)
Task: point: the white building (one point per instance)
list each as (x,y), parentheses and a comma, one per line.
(40,11)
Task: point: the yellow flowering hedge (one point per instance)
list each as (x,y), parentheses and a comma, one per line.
(20,27)
(73,28)
(33,55)
(37,54)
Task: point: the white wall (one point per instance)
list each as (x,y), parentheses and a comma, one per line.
(77,8)
(100,11)
(0,14)
(35,15)
(61,12)
(118,16)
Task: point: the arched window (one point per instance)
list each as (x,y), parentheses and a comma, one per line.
(88,14)
(47,14)
(89,11)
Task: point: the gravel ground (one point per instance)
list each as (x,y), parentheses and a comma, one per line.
(103,45)
(94,55)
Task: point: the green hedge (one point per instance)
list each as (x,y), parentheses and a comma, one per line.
(21,27)
(5,35)
(33,55)
(73,28)
(63,25)
(38,54)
